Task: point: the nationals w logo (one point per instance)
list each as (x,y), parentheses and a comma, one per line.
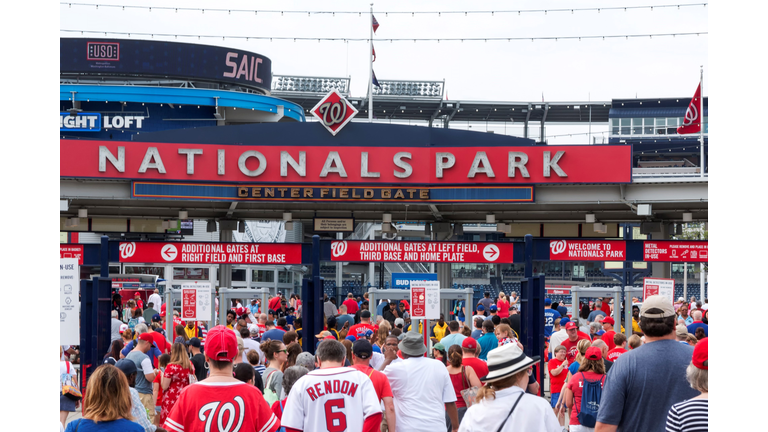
(217,409)
(557,246)
(127,250)
(338,248)
(334,112)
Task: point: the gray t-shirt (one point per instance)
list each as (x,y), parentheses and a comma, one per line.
(643,384)
(329,309)
(116,323)
(273,379)
(486,302)
(142,385)
(593,315)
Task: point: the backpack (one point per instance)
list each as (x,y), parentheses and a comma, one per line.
(591,394)
(132,323)
(269,395)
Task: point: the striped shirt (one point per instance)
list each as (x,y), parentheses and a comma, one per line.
(689,416)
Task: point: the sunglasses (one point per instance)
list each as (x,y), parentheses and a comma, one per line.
(284,351)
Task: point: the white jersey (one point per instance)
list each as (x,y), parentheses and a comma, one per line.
(334,399)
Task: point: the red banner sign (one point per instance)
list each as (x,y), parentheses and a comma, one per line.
(415,251)
(345,165)
(676,251)
(72,251)
(189,303)
(418,302)
(587,250)
(210,253)
(559,291)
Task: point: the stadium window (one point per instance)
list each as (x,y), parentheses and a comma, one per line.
(263,276)
(648,126)
(625,123)
(637,126)
(614,126)
(661,126)
(706,125)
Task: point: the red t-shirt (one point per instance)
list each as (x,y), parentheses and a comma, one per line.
(274,303)
(162,343)
(277,410)
(203,406)
(480,367)
(379,380)
(503,307)
(615,353)
(606,308)
(556,381)
(351,305)
(358,330)
(570,347)
(608,339)
(576,385)
(159,381)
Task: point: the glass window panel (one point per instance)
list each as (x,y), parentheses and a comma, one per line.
(661,122)
(672,122)
(238,275)
(283,277)
(614,126)
(637,122)
(625,121)
(263,276)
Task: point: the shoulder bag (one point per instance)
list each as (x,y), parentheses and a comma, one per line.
(469,393)
(69,386)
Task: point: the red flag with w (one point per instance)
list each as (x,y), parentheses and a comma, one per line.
(692,120)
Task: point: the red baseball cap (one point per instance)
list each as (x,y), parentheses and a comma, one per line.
(701,354)
(221,344)
(241,311)
(162,307)
(570,325)
(146,337)
(469,343)
(593,353)
(609,320)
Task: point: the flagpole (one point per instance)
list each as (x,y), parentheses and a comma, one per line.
(701,120)
(370,72)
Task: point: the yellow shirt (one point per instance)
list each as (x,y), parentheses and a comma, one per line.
(230,326)
(191,332)
(636,326)
(420,326)
(439,331)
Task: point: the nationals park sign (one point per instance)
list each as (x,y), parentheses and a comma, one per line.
(349,165)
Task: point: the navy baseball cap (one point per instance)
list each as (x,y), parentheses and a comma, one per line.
(362,348)
(480,307)
(127,366)
(564,321)
(547,302)
(493,307)
(156,318)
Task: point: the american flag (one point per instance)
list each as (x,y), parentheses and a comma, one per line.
(375,23)
(375,81)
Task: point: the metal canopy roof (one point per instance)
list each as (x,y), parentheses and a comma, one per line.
(427,109)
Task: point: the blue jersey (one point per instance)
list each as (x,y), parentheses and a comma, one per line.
(550,315)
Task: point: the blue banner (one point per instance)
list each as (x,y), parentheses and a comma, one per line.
(403,280)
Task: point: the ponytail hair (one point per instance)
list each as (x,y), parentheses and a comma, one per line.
(455,353)
(270,348)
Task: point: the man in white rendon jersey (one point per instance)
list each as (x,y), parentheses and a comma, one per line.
(332,398)
(221,403)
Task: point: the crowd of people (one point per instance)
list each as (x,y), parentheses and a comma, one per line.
(373,371)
